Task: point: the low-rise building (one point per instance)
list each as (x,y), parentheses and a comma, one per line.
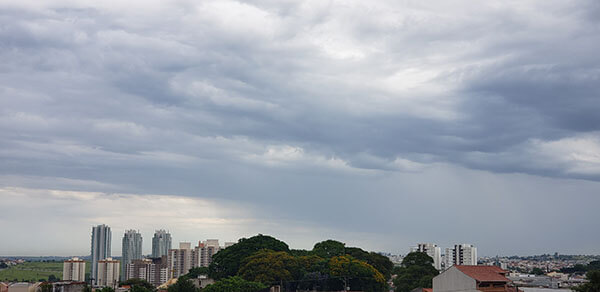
(23,287)
(68,286)
(472,279)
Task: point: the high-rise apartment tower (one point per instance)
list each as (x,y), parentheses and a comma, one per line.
(161,243)
(461,254)
(101,237)
(132,250)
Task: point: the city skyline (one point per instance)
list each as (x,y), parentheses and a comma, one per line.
(379,123)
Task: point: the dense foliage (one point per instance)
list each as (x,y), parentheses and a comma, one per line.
(417,271)
(183,284)
(138,284)
(329,248)
(594,282)
(582,269)
(235,284)
(195,272)
(329,266)
(227,262)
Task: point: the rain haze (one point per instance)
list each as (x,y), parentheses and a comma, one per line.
(377,123)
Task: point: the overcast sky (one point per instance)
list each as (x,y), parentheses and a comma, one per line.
(378,123)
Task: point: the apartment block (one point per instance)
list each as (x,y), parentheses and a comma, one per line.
(108,273)
(432,250)
(74,270)
(461,254)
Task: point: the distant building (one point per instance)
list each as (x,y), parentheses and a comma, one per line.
(101,240)
(161,243)
(108,273)
(154,270)
(180,261)
(473,279)
(432,250)
(204,252)
(202,281)
(23,287)
(74,270)
(68,286)
(132,249)
(461,254)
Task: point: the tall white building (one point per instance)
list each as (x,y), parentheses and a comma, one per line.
(460,254)
(204,252)
(132,250)
(108,273)
(432,250)
(74,270)
(180,261)
(101,240)
(161,243)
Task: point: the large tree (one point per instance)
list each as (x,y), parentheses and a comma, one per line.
(417,271)
(270,267)
(227,262)
(183,284)
(379,262)
(329,248)
(236,284)
(356,274)
(594,282)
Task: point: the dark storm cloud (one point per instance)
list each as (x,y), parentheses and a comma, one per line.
(309,108)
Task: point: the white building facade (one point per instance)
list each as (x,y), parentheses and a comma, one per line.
(74,270)
(204,252)
(460,254)
(180,261)
(108,273)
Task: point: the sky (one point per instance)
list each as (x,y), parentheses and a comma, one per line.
(381,124)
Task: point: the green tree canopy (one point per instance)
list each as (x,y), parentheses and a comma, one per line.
(300,252)
(356,273)
(197,271)
(106,289)
(183,284)
(379,262)
(134,282)
(269,267)
(537,271)
(594,282)
(227,262)
(52,278)
(417,271)
(234,284)
(417,259)
(329,248)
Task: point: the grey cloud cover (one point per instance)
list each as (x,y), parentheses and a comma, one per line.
(348,118)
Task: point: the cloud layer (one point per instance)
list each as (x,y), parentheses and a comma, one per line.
(317,112)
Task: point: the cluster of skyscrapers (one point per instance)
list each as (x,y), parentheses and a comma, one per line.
(164,262)
(459,254)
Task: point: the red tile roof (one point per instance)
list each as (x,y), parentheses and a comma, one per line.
(484,273)
(427,289)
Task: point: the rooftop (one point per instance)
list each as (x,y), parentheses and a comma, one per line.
(484,273)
